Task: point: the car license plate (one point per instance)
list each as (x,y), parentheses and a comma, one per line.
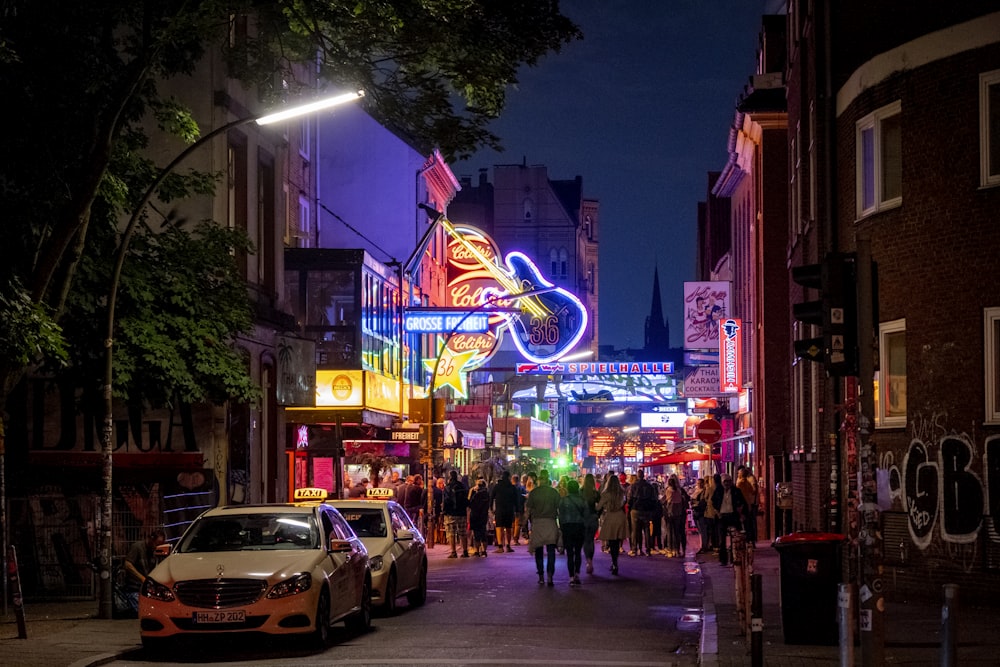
(228,616)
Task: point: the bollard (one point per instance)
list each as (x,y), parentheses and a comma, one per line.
(756,622)
(14,581)
(949,626)
(844,596)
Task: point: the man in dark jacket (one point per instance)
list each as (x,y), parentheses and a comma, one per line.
(729,502)
(642,502)
(415,500)
(505,503)
(455,504)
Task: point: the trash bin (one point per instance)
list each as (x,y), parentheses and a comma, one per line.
(810,574)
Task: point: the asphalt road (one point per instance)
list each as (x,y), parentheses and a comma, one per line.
(491,611)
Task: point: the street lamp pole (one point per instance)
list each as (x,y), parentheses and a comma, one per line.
(105,600)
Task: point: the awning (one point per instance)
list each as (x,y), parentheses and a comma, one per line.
(472,440)
(679,457)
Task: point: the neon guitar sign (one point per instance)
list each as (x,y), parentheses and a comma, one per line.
(546,326)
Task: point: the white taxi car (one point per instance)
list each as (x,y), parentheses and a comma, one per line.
(396,549)
(275,569)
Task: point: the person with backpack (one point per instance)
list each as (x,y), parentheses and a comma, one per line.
(641,498)
(455,504)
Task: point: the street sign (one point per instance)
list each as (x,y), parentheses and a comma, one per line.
(708,431)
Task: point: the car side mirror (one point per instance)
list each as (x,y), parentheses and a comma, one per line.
(340,546)
(404,534)
(162,550)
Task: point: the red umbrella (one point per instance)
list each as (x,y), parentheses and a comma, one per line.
(680,457)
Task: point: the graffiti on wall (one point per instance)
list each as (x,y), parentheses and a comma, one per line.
(943,485)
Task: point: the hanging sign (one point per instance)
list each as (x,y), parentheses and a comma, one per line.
(730,360)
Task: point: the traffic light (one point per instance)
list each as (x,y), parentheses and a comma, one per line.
(835,312)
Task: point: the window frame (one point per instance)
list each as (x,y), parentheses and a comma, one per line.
(874,122)
(989,173)
(991,364)
(886,329)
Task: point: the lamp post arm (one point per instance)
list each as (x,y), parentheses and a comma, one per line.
(105,602)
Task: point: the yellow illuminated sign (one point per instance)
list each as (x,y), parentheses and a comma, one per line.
(310,493)
(338,389)
(380,492)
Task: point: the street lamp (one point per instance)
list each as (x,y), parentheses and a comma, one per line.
(105,604)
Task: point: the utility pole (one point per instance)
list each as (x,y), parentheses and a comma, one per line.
(871,594)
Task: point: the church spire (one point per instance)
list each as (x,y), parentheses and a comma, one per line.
(657,328)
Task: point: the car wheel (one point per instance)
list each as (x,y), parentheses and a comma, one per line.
(389,600)
(321,634)
(361,620)
(418,596)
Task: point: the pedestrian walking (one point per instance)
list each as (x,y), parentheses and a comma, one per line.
(456,515)
(699,505)
(479,515)
(415,500)
(542,509)
(518,524)
(729,502)
(747,484)
(436,521)
(675,508)
(641,498)
(611,508)
(572,513)
(590,496)
(712,514)
(530,482)
(504,501)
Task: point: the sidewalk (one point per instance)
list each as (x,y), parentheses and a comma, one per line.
(912,630)
(64,634)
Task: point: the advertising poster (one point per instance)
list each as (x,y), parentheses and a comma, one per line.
(705,304)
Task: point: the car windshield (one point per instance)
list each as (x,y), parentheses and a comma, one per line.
(366,522)
(251,532)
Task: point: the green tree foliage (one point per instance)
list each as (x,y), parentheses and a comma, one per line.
(86,76)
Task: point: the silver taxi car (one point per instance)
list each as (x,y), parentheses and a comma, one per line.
(396,549)
(277,569)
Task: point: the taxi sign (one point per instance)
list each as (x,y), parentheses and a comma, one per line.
(310,493)
(380,492)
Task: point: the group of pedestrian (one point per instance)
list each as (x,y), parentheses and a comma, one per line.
(719,505)
(569,516)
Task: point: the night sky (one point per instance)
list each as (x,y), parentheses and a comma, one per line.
(641,109)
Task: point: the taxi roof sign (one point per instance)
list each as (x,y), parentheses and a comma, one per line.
(310,493)
(380,492)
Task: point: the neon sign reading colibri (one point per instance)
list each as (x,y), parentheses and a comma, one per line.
(544,326)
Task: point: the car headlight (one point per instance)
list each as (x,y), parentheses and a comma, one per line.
(291,586)
(156,591)
(375,562)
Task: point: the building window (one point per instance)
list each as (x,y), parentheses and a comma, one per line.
(879,163)
(563,263)
(991,355)
(304,223)
(553,263)
(305,137)
(989,128)
(890,381)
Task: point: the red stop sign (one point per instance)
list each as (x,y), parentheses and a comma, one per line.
(708,431)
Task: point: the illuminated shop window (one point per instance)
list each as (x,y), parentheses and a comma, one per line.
(890,381)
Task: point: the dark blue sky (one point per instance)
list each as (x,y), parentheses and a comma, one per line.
(641,110)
